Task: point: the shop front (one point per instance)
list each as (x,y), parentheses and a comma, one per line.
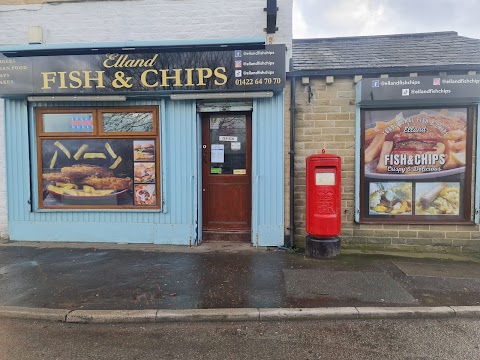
(158,145)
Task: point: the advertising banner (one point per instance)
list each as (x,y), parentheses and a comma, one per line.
(421,88)
(416,164)
(238,70)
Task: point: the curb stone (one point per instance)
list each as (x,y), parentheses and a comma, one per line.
(237,314)
(466,311)
(309,313)
(405,312)
(18,312)
(111,316)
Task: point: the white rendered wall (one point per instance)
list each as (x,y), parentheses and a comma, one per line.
(136,20)
(144,20)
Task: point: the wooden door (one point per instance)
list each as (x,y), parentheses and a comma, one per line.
(226,176)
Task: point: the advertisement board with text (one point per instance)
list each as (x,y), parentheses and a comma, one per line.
(229,70)
(416,164)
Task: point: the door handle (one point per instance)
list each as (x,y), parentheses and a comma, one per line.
(205,157)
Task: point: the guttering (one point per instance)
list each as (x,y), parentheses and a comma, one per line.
(130,47)
(292,159)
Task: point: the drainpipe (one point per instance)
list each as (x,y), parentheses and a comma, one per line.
(292,158)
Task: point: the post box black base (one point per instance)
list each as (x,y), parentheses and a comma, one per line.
(323,247)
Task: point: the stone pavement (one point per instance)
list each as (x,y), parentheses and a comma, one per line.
(219,276)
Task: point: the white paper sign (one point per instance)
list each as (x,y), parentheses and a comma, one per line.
(214,123)
(217,153)
(227,138)
(236,145)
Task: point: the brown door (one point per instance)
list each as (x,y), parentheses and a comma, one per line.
(226,176)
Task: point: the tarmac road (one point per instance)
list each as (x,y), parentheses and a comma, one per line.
(456,339)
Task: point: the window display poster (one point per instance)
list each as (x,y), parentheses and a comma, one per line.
(98,172)
(415,163)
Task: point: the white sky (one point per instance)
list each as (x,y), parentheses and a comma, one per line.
(337,18)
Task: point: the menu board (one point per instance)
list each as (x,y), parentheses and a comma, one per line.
(416,164)
(99,172)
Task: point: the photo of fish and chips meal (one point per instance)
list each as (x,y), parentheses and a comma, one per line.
(82,169)
(390,198)
(85,180)
(437,198)
(438,134)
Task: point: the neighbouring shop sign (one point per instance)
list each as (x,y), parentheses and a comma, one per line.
(416,164)
(239,70)
(421,88)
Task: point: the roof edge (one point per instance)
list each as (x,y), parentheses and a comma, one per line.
(439,33)
(384,70)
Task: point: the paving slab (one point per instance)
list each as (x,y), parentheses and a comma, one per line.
(354,285)
(441,270)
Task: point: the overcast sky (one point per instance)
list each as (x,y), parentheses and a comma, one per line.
(336,18)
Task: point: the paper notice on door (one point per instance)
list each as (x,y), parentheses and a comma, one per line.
(217,154)
(236,146)
(239,171)
(227,138)
(214,123)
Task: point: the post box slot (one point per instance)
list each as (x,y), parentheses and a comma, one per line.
(325,177)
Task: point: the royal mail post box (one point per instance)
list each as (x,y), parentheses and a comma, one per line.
(323,200)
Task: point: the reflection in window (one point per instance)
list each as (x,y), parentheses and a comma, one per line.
(66,123)
(127,122)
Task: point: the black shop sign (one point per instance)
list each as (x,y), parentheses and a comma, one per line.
(229,70)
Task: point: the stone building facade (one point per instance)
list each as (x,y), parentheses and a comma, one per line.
(326,73)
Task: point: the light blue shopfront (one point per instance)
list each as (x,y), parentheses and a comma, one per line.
(179,221)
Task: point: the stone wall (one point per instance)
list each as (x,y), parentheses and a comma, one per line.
(327,122)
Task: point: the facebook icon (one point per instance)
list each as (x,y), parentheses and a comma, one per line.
(375,83)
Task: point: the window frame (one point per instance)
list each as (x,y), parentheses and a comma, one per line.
(98,134)
(413,219)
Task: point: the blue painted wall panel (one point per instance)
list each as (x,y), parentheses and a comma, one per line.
(176,223)
(178,169)
(268,171)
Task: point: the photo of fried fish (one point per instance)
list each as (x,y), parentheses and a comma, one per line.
(105,183)
(437,198)
(85,170)
(390,198)
(56,177)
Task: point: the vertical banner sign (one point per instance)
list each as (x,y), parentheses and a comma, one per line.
(416,164)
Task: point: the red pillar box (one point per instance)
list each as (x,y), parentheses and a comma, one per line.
(323,201)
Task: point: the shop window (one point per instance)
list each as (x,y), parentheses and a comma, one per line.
(416,165)
(98,158)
